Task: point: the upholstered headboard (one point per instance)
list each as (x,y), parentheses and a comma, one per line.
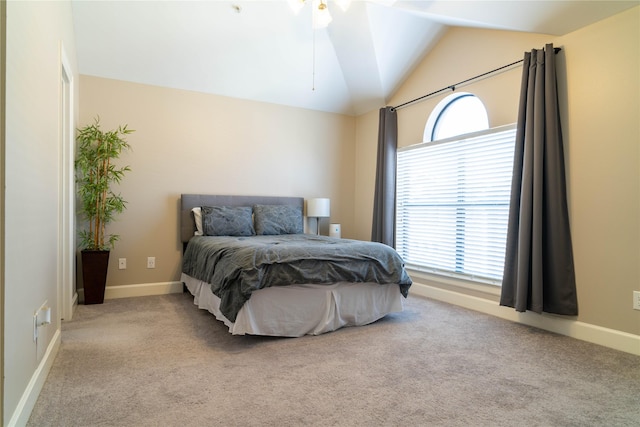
(190,201)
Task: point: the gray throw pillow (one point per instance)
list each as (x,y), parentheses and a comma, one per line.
(278,219)
(227,221)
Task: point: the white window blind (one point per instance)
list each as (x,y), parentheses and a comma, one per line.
(453,204)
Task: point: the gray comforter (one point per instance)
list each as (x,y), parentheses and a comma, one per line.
(237,266)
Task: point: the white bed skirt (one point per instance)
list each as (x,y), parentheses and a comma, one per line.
(297,310)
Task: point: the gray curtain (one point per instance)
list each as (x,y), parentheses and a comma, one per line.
(384,202)
(539,273)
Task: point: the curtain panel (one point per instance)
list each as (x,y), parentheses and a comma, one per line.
(384,202)
(539,270)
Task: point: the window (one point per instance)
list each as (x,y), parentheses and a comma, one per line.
(453,199)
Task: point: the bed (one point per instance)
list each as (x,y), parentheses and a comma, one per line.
(247,261)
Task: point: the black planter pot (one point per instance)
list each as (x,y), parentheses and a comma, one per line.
(94,275)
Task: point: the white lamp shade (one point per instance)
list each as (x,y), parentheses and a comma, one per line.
(319,208)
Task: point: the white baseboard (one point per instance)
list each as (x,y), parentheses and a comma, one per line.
(139,290)
(74,304)
(30,396)
(611,338)
(143,289)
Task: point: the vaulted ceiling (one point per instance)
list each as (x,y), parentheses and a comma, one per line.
(261,50)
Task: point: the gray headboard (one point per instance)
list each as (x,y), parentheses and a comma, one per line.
(190,201)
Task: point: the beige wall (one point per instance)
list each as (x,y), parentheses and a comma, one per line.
(600,110)
(366,158)
(32,173)
(602,120)
(187,142)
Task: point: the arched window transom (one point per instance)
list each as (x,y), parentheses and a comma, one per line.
(456,114)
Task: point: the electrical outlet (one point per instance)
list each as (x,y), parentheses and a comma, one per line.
(151,262)
(122,263)
(41,317)
(636,300)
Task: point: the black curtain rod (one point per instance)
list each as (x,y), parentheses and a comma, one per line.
(453,87)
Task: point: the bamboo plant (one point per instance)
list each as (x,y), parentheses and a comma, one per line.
(95,174)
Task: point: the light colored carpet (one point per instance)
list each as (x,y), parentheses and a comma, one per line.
(160,361)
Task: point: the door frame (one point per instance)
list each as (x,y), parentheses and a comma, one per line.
(68,296)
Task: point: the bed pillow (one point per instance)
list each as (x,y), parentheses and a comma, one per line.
(227,221)
(278,219)
(197,217)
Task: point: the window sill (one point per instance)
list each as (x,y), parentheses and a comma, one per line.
(432,278)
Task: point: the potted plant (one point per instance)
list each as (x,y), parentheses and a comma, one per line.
(95,174)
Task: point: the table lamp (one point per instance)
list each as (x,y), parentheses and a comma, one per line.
(318,208)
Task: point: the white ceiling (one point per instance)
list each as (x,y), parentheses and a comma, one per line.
(260,50)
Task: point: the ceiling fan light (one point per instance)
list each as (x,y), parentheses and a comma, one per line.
(321,15)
